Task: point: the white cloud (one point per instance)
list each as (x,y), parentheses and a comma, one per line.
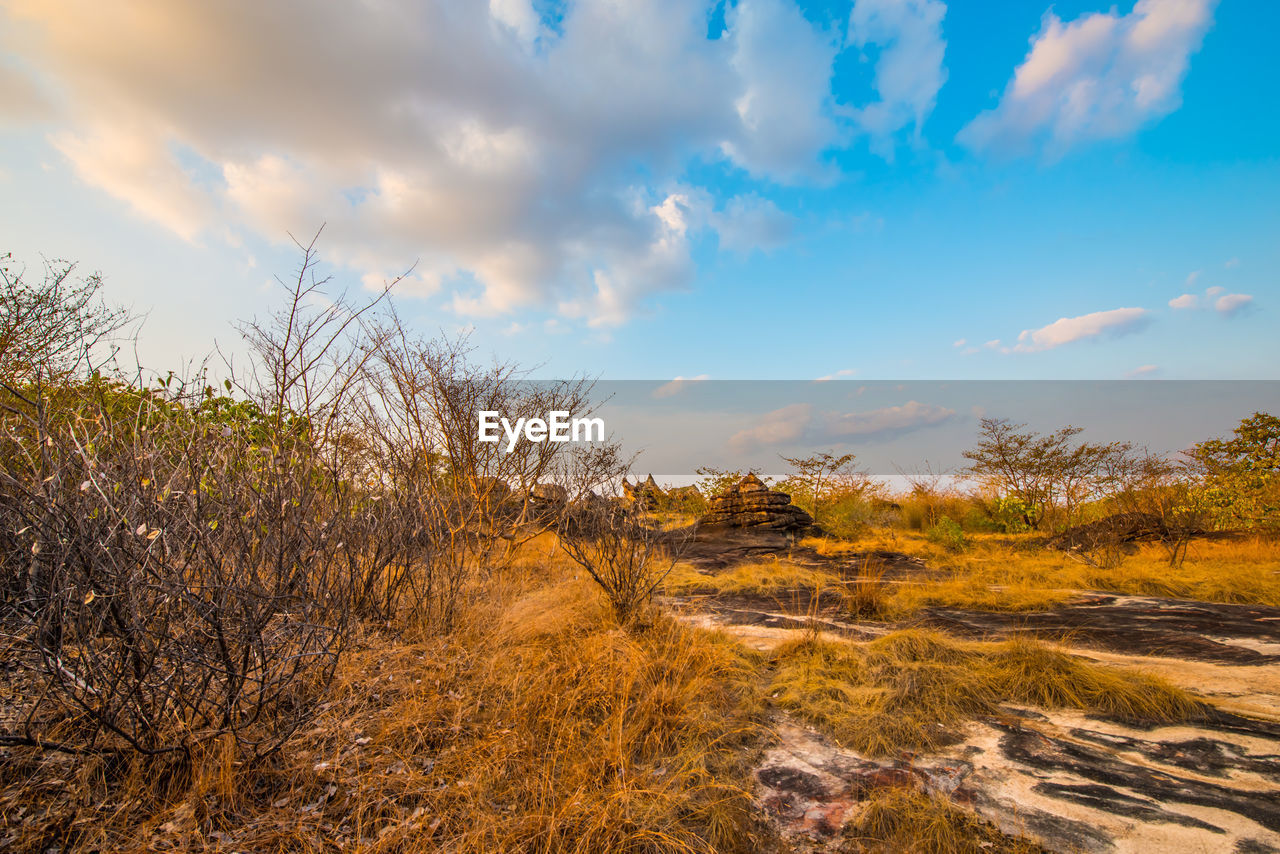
(749,222)
(909,70)
(843,372)
(1192,276)
(1230,305)
(501,153)
(1231,263)
(784,67)
(959,342)
(1143,371)
(799,422)
(677,385)
(518,16)
(1100,76)
(776,428)
(137,166)
(1066,330)
(911,415)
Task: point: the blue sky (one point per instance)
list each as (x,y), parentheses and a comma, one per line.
(754,190)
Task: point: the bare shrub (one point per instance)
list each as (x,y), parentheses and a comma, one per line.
(627,555)
(54,327)
(177,576)
(467,504)
(1171,494)
(176,567)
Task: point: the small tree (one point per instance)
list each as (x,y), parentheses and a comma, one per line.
(1242,473)
(1051,474)
(814,473)
(718,481)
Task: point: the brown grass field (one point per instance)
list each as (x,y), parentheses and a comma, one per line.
(541,724)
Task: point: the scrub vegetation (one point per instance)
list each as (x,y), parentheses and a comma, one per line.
(302,608)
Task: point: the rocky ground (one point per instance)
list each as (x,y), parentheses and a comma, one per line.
(1073,781)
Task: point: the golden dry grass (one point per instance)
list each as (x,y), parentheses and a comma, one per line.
(766,577)
(910,690)
(538,725)
(897,819)
(541,725)
(1001,573)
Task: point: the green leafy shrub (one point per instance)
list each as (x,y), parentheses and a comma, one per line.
(948,534)
(1010,515)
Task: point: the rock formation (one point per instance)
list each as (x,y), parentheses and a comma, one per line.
(751,504)
(549,493)
(1116,529)
(646,494)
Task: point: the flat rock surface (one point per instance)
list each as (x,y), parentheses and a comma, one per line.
(1072,781)
(1202,631)
(1069,781)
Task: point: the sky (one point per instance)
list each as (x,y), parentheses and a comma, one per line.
(661,189)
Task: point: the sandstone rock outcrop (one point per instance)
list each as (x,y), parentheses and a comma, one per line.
(751,504)
(646,494)
(1116,529)
(549,493)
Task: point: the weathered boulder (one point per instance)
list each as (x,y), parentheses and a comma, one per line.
(548,493)
(545,502)
(1119,528)
(751,504)
(493,489)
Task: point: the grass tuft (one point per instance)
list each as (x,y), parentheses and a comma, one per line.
(765,578)
(911,690)
(900,819)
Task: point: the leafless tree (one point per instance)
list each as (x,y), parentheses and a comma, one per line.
(814,474)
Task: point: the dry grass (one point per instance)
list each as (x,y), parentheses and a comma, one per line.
(1241,571)
(910,690)
(830,546)
(539,725)
(765,578)
(899,819)
(1002,573)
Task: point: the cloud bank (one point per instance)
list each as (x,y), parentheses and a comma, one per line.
(800,421)
(522,162)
